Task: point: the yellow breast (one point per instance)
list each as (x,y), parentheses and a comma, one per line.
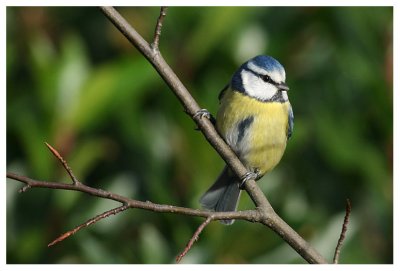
(264,141)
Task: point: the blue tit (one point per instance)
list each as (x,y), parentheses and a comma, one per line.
(255,119)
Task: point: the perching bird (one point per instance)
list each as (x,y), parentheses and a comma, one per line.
(255,119)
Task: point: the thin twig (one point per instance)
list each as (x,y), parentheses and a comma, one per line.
(88,223)
(75,181)
(157,32)
(343,233)
(194,238)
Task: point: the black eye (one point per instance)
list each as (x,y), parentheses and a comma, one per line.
(266,78)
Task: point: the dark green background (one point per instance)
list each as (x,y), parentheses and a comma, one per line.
(75,82)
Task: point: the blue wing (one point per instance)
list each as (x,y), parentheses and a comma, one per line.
(290,122)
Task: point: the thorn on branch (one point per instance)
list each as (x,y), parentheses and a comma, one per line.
(88,223)
(157,32)
(24,189)
(194,238)
(343,233)
(75,181)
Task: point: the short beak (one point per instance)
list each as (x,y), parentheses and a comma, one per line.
(282,87)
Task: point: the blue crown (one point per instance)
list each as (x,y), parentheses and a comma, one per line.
(264,62)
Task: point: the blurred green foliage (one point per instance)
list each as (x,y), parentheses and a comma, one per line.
(75,82)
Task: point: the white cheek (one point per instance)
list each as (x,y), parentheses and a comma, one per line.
(256,87)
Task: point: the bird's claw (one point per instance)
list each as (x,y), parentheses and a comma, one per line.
(202,113)
(251,175)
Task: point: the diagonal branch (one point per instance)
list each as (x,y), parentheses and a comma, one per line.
(269,217)
(189,103)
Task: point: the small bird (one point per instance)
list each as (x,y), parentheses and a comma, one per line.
(255,119)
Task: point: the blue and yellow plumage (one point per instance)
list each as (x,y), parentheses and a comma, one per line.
(256,119)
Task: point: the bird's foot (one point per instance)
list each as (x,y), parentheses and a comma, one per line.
(251,175)
(204,113)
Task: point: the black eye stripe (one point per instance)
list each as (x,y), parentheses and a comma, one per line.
(266,78)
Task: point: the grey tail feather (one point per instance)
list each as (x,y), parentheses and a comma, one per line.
(223,195)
